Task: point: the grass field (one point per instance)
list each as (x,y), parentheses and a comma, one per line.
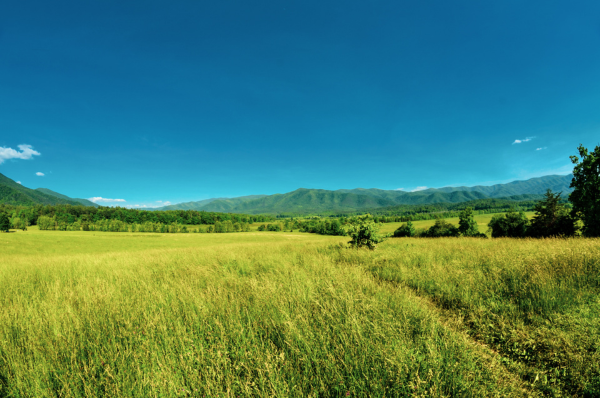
(482,222)
(295,315)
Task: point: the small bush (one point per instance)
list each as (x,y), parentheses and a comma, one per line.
(512,224)
(442,228)
(364,232)
(405,230)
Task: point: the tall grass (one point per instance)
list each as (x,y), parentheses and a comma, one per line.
(293,315)
(534,301)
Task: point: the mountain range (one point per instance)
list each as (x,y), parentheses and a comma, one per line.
(14,193)
(320,200)
(308,201)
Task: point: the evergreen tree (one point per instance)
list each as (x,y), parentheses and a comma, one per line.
(551,218)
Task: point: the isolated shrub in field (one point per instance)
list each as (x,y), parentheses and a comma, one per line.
(586,196)
(405,230)
(364,232)
(551,218)
(466,223)
(442,228)
(512,224)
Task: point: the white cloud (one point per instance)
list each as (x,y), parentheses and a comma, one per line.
(159,201)
(26,153)
(103,200)
(541,148)
(419,188)
(527,139)
(19,182)
(399,189)
(39,173)
(166,203)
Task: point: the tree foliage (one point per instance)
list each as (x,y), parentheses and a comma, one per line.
(586,194)
(441,228)
(512,224)
(4,222)
(405,230)
(552,218)
(364,232)
(466,223)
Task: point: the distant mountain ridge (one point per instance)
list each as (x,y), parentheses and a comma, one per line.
(307,201)
(14,193)
(321,200)
(557,183)
(84,202)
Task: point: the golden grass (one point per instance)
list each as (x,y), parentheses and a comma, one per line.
(95,314)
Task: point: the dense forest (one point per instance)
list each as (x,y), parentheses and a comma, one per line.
(69,214)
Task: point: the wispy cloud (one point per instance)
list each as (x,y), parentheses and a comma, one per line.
(419,188)
(19,182)
(527,139)
(103,200)
(26,153)
(399,189)
(541,148)
(166,203)
(39,173)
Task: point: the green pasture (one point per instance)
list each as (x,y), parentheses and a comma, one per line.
(482,222)
(288,314)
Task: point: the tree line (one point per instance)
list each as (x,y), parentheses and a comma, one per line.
(114,225)
(66,215)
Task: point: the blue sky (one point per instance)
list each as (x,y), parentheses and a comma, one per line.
(150,101)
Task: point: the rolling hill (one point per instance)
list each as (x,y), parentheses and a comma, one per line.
(14,193)
(557,183)
(84,202)
(320,200)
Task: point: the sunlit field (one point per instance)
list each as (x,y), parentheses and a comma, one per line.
(482,222)
(291,314)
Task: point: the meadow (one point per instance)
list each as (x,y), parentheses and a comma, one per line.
(290,314)
(482,221)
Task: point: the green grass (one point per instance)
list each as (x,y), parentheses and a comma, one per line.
(482,222)
(264,314)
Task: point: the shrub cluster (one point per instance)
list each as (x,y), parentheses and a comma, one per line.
(442,228)
(552,219)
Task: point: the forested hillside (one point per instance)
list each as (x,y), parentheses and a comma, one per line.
(556,183)
(83,202)
(306,201)
(14,193)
